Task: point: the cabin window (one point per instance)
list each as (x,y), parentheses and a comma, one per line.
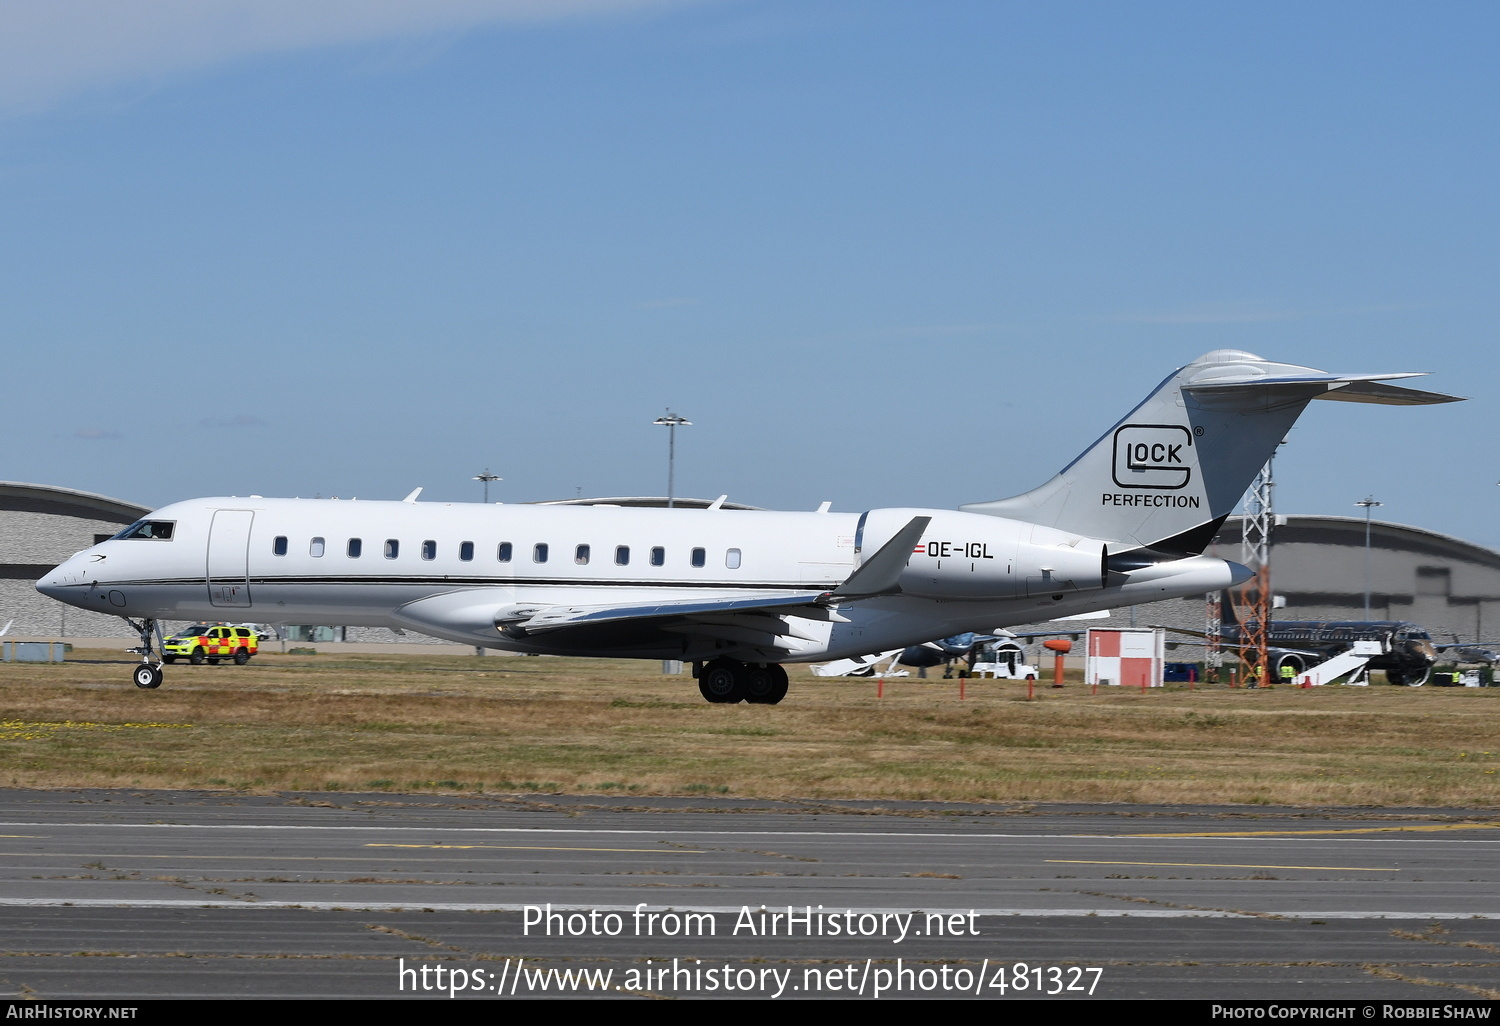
(157,530)
(316,547)
(622,555)
(581,555)
(355,548)
(700,557)
(392,548)
(278,546)
(503,552)
(732,559)
(429,549)
(658,555)
(466,551)
(539,552)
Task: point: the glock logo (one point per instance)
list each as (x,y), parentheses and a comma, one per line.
(1153,456)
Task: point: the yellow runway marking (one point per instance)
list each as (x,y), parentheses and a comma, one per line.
(534,847)
(1218,865)
(1349,830)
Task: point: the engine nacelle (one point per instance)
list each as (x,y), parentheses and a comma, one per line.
(970,556)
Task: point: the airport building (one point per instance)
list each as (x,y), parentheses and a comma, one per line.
(1320,571)
(1318,567)
(40,526)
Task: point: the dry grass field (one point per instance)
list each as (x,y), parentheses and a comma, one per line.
(462,723)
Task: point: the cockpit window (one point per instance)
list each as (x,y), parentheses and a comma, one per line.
(158,530)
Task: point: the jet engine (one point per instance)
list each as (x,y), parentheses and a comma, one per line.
(969,556)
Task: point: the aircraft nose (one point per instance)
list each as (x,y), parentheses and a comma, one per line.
(66,575)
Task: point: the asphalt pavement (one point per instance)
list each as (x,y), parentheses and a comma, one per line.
(149,894)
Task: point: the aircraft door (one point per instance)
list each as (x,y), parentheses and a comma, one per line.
(228,569)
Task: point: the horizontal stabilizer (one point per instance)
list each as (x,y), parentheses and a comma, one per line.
(1352,388)
(1388,395)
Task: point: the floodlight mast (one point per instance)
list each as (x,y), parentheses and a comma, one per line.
(487,477)
(1367,502)
(671,422)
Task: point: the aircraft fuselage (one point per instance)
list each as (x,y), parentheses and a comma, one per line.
(459,570)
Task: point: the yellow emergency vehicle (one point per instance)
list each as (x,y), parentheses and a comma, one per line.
(210,642)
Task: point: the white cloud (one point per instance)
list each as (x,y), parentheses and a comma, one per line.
(53,49)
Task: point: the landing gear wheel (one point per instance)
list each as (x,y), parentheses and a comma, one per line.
(722,681)
(148,674)
(241,657)
(765,685)
(1410,678)
(197,657)
(213,660)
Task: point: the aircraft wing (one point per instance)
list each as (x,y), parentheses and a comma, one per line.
(1178,630)
(1279,649)
(751,623)
(1281,645)
(756,623)
(809,604)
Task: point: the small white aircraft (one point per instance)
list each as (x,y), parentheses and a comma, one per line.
(735,592)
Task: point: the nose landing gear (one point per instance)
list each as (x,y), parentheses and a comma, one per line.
(148,674)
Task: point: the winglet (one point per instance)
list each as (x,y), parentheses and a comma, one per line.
(878,574)
(413,496)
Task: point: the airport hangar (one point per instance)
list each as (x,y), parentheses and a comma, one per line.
(1449,586)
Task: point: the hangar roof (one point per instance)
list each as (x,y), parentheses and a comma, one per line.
(1350,531)
(67,502)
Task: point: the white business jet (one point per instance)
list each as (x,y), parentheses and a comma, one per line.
(735,592)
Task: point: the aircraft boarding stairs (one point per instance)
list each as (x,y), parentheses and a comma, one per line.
(1351,663)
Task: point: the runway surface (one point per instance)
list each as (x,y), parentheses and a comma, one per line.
(111,894)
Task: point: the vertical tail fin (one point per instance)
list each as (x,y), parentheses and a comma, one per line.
(1165,477)
(1227,616)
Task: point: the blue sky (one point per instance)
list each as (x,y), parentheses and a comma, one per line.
(879,253)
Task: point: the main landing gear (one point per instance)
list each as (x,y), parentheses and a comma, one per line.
(728,681)
(148,674)
(1412,677)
